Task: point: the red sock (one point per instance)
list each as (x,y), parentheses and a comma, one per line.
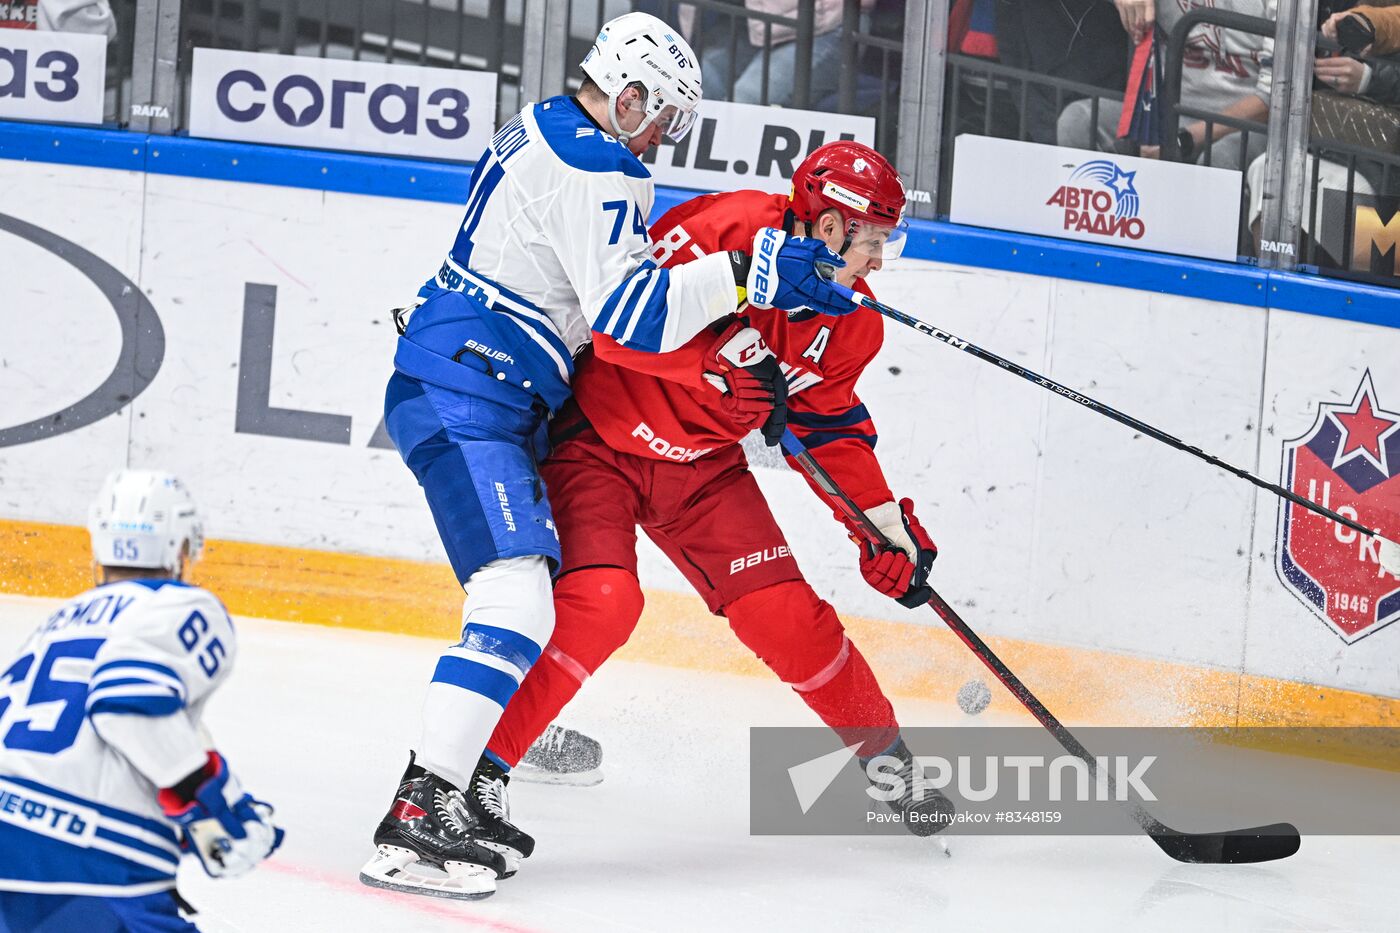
(799,637)
(595,612)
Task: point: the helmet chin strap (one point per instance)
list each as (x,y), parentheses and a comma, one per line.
(850,237)
(618,131)
(622,135)
(807,225)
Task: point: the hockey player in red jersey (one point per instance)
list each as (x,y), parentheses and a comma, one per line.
(660,448)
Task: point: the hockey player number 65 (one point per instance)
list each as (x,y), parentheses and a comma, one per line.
(212,654)
(48,689)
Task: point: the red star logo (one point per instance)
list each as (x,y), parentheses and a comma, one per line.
(1364,432)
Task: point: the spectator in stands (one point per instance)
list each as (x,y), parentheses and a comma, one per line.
(1137,16)
(751,58)
(875,83)
(88,16)
(1345,74)
(1076,40)
(1225,72)
(1380,80)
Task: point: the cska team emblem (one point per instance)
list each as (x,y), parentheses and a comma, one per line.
(1348,461)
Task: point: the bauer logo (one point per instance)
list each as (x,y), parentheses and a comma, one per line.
(1348,461)
(442,113)
(54,76)
(1100,198)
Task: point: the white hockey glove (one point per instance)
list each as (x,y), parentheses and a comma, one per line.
(900,572)
(223,825)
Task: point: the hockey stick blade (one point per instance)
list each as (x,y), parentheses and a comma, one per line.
(1258,844)
(1239,847)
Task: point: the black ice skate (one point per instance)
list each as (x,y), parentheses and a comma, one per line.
(488,811)
(922,814)
(561,756)
(423,846)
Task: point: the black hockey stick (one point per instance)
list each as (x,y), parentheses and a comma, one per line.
(1387,550)
(1256,844)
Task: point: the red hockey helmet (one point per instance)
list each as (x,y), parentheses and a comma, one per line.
(857,181)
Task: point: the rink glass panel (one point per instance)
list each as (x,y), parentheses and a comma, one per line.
(1056,75)
(833,63)
(485,35)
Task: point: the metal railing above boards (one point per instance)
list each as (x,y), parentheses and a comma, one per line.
(1225,140)
(1351,180)
(829,56)
(120,51)
(431,78)
(1002,83)
(484,35)
(990,99)
(418,78)
(469,34)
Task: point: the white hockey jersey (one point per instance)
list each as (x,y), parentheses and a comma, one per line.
(100,710)
(555,244)
(1220,66)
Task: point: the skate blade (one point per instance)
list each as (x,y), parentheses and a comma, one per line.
(533,775)
(510,856)
(396,869)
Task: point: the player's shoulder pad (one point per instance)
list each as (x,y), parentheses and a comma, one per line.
(746,210)
(763,207)
(574,139)
(171,598)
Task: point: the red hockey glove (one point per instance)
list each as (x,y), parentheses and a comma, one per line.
(901,571)
(752,384)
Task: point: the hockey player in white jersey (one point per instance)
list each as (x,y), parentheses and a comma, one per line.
(552,250)
(106,774)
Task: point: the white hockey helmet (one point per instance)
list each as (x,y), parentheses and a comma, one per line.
(144,518)
(638,48)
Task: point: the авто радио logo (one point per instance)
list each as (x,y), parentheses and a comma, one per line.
(1100,198)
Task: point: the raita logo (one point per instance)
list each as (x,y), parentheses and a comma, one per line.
(156,111)
(1347,461)
(1100,198)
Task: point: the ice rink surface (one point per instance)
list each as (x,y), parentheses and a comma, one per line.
(319,721)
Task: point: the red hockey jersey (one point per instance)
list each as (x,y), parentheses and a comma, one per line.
(659,405)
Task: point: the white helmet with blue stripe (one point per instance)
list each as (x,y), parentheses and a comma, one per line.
(145,518)
(638,48)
